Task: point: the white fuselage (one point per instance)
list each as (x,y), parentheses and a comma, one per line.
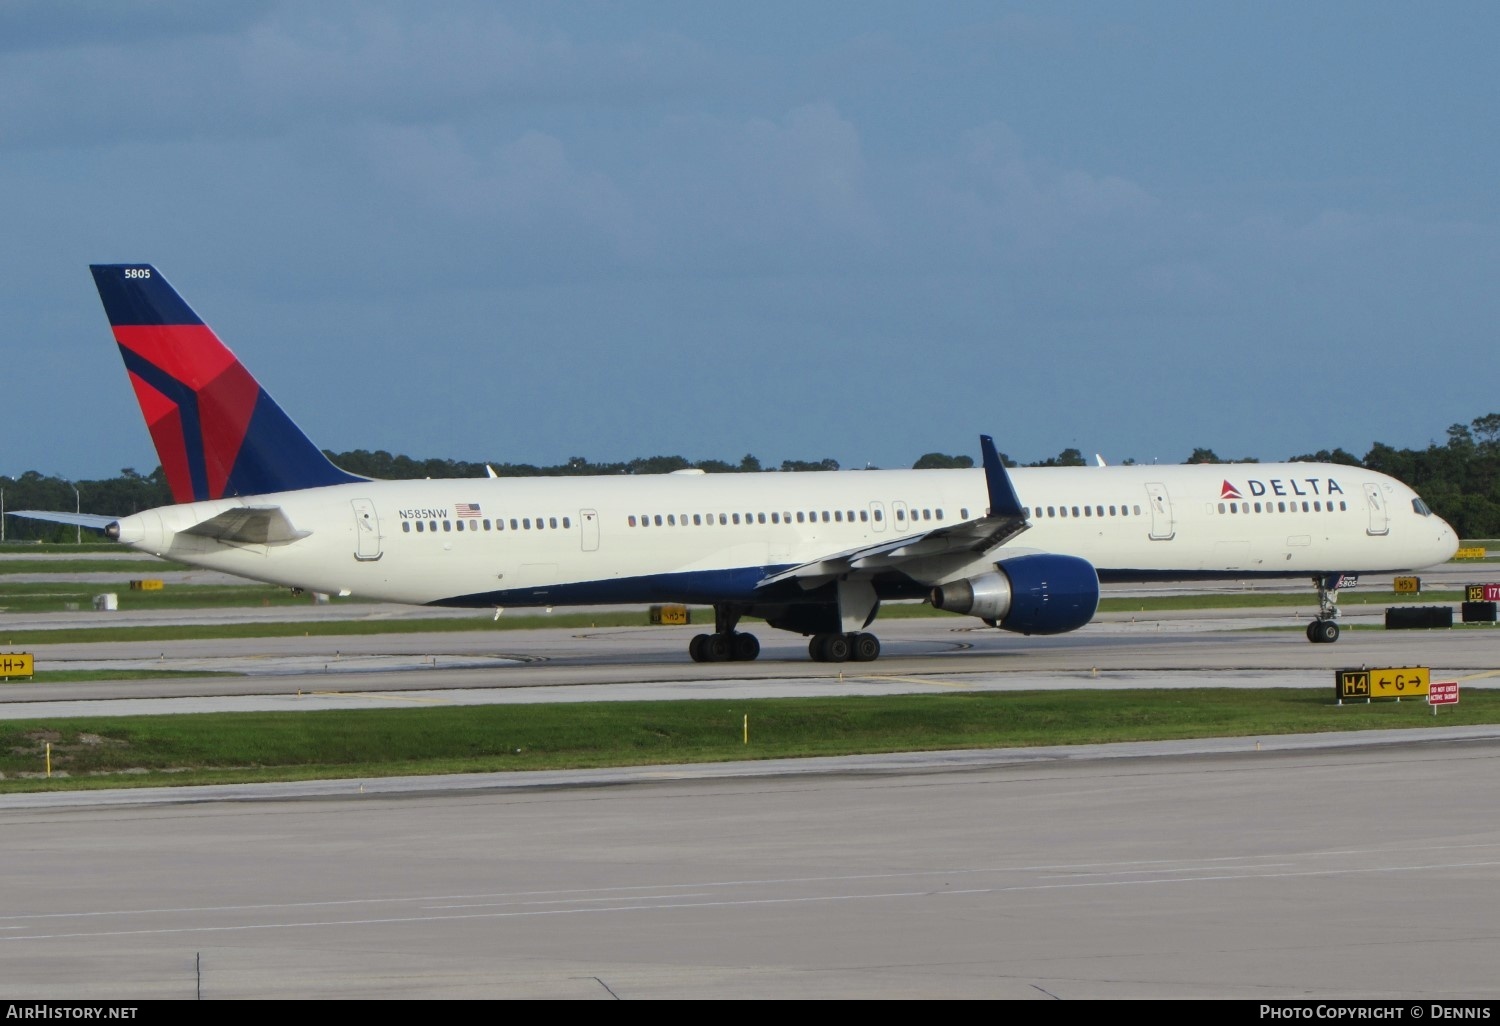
(713,537)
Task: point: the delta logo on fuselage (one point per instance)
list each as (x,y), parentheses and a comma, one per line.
(1291,486)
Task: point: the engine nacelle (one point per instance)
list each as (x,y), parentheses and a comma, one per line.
(1038,593)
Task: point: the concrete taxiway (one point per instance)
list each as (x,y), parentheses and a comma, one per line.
(1317,866)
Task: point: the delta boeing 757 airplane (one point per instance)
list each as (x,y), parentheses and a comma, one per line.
(813,553)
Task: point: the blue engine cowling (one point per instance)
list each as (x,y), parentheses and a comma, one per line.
(1039,593)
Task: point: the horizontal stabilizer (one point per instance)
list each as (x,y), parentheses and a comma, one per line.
(249,525)
(93,521)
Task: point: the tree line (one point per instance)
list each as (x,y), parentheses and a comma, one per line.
(1460,479)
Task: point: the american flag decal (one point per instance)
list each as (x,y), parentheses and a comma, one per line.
(467,509)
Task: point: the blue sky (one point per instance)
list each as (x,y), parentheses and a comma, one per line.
(866,231)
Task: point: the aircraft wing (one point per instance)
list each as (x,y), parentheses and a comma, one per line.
(964,541)
(249,525)
(93,521)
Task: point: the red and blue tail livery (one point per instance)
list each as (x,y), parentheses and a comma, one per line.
(217,431)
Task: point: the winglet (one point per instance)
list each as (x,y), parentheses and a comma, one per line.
(1003,499)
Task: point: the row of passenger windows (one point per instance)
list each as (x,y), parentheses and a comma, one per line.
(837,516)
(1081,511)
(516,524)
(1316,506)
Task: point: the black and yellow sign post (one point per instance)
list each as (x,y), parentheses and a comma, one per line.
(1396,682)
(17,664)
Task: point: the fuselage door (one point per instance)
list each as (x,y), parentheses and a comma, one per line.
(898,513)
(366,531)
(588,523)
(1380,521)
(877,516)
(1163,527)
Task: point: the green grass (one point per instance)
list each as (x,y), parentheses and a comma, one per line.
(60,596)
(249,747)
(132,568)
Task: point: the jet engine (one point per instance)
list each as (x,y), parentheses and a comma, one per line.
(1036,593)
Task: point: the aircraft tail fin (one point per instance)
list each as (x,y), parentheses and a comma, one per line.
(217,431)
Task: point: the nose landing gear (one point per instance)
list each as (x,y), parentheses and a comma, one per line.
(1325,629)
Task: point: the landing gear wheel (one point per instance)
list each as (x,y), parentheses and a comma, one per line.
(716,649)
(697,648)
(1324,631)
(744,647)
(836,648)
(864,648)
(829,648)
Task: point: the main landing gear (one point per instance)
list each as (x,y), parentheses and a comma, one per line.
(1325,629)
(725,644)
(856,647)
(721,648)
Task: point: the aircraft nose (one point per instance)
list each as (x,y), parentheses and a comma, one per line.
(1447,543)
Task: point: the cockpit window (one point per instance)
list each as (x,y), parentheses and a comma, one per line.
(1421,507)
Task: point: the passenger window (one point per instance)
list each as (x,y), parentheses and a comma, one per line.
(879,516)
(1075,511)
(1088,511)
(940,514)
(447,525)
(419,527)
(838,515)
(406,526)
(963,513)
(825,516)
(760,518)
(900,514)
